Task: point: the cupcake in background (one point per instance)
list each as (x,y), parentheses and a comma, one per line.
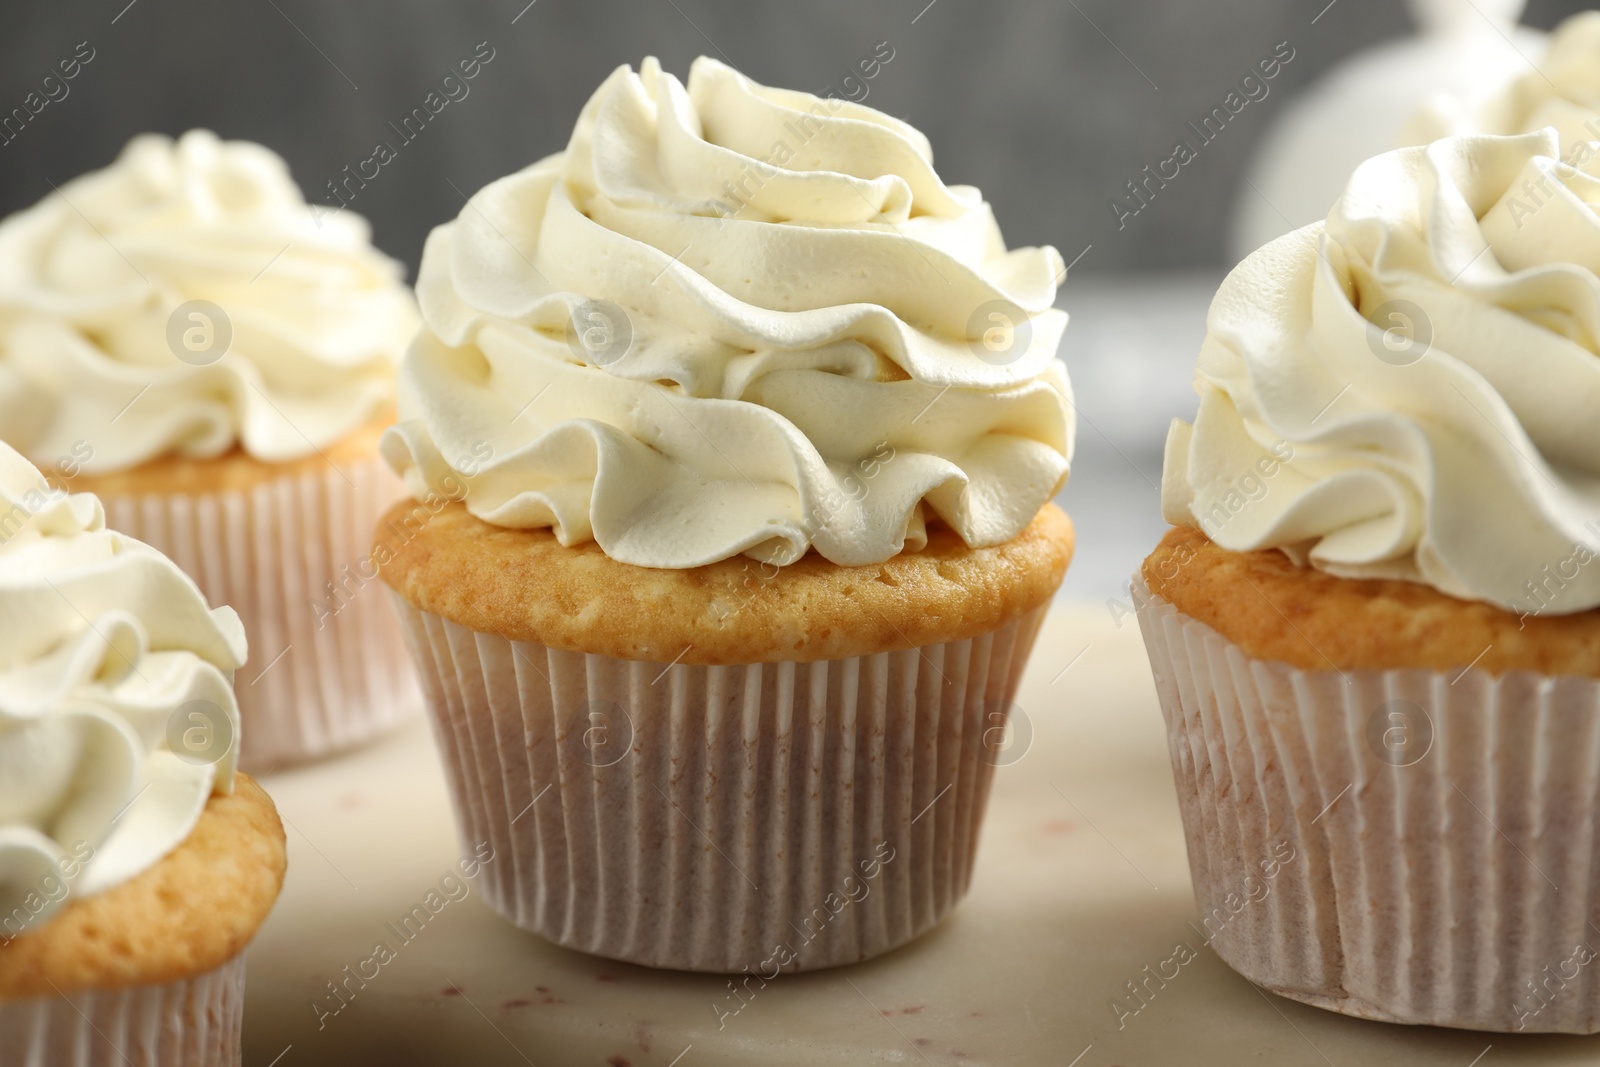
(183,335)
(135,863)
(1374,626)
(1560,89)
(733,432)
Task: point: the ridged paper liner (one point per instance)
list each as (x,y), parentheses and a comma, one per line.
(195,1022)
(318,681)
(1443,827)
(708,821)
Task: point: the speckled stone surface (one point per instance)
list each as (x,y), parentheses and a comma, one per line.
(1081,884)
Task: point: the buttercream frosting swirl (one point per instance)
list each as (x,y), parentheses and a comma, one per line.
(1409,388)
(101,342)
(107,651)
(733,319)
(1561,89)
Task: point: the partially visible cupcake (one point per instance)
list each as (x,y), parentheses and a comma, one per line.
(1561,90)
(733,432)
(183,335)
(135,864)
(1374,628)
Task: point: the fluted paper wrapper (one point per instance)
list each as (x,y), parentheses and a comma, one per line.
(1437,831)
(191,1023)
(328,668)
(756,818)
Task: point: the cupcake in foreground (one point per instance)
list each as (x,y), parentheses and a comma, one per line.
(1374,628)
(135,864)
(181,335)
(732,431)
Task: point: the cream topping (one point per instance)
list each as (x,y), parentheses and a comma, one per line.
(117,712)
(186,300)
(1409,389)
(733,319)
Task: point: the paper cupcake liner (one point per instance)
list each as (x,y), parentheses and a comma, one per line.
(328,668)
(754,818)
(191,1023)
(1405,845)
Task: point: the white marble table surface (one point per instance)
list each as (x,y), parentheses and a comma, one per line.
(1082,881)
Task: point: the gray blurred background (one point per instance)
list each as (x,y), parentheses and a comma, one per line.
(1049,106)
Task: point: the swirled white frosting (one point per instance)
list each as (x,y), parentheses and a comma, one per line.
(93,283)
(103,642)
(1410,389)
(789,334)
(1560,89)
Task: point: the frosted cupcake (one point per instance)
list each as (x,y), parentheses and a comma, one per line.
(135,864)
(1374,628)
(732,431)
(182,335)
(1562,90)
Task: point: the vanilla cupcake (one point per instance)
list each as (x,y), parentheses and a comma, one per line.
(1374,629)
(135,864)
(183,335)
(732,431)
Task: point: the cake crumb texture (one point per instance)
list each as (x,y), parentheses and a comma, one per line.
(1275,610)
(195,910)
(525,586)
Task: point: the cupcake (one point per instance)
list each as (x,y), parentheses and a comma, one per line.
(731,432)
(1373,627)
(1562,90)
(135,864)
(183,336)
